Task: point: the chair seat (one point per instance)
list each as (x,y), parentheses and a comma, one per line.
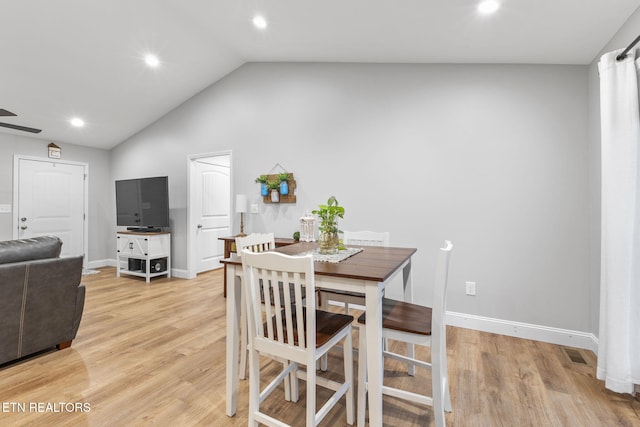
(328,325)
(403,316)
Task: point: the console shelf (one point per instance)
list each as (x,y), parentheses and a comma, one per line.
(143,254)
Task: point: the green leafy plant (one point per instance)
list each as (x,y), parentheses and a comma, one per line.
(273,185)
(283,177)
(262,179)
(328,240)
(329,215)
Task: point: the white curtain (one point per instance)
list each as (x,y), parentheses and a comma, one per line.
(619,340)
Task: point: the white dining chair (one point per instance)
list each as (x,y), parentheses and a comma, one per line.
(361,238)
(356,238)
(284,327)
(255,242)
(418,325)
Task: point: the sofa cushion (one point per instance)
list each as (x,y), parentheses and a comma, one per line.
(30,249)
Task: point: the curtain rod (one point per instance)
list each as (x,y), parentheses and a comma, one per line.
(624,52)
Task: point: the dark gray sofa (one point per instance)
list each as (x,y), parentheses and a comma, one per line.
(41,297)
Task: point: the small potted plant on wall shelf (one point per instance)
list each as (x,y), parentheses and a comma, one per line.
(273,188)
(284,186)
(264,190)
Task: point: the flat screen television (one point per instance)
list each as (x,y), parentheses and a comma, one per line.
(143,204)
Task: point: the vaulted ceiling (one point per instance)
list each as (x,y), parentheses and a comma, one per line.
(77,58)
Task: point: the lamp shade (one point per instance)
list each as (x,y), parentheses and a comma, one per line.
(241,203)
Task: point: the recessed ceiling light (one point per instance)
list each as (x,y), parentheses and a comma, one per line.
(488,6)
(151,60)
(259,22)
(77,122)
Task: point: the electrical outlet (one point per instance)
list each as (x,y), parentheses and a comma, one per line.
(255,208)
(470,288)
(5,208)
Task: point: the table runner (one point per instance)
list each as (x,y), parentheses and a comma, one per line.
(334,258)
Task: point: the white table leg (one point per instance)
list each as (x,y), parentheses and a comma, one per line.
(407,282)
(375,363)
(233,337)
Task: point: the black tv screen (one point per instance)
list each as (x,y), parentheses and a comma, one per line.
(143,203)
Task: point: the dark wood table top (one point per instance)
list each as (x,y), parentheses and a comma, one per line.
(374,263)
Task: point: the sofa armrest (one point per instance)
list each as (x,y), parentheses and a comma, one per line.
(79,308)
(51,303)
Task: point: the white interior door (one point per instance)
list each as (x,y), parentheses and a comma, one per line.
(50,200)
(210,209)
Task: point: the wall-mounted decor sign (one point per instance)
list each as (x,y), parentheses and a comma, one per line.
(277,187)
(54,151)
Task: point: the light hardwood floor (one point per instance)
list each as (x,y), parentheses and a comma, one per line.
(155,355)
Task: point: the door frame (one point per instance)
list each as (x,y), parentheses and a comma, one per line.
(191,222)
(16,196)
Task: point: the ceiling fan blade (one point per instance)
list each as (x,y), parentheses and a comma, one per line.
(6,113)
(22,128)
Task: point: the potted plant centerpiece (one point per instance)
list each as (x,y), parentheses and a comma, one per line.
(328,239)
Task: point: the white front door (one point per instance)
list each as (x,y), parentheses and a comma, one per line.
(50,200)
(210,209)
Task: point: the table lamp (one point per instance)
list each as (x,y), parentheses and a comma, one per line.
(241,208)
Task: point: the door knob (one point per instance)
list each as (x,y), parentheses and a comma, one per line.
(23,227)
(199,225)
(23,219)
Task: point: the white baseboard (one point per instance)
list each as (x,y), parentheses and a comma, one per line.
(510,328)
(101,263)
(577,339)
(179,273)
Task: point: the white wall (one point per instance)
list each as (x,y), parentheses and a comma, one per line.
(100,205)
(493,157)
(627,33)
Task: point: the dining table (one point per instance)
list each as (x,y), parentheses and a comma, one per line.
(367,272)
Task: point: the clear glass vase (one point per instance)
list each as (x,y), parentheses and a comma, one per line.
(328,243)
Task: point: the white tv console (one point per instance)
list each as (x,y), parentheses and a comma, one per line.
(143,254)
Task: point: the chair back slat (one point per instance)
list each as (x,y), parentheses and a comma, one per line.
(366,238)
(274,287)
(285,281)
(289,305)
(270,310)
(300,318)
(253,299)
